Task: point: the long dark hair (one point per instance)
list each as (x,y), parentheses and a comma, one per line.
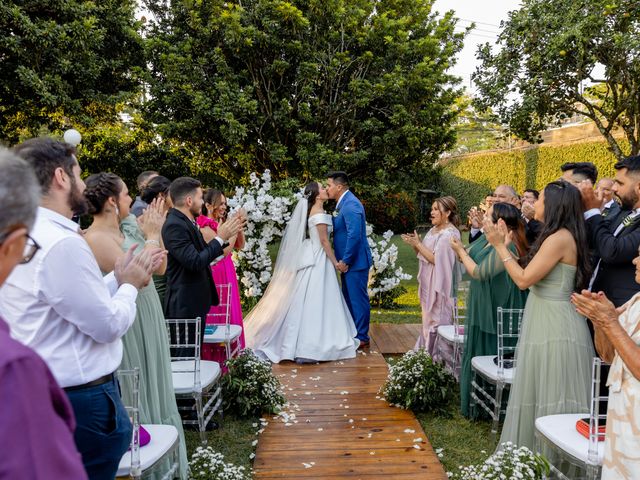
(563,209)
(100,187)
(311,192)
(212,197)
(512,218)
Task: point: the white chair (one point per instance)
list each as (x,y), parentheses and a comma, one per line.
(161,453)
(193,378)
(224,333)
(450,342)
(498,374)
(558,432)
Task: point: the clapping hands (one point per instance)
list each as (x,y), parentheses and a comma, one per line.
(596,307)
(152,219)
(136,270)
(498,233)
(476,217)
(590,198)
(412,239)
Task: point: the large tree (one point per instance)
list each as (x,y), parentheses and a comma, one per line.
(556,58)
(305,85)
(65,62)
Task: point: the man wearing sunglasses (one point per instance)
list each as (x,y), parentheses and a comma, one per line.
(36,419)
(60,305)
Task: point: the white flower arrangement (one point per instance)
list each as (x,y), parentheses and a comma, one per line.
(268,215)
(207,464)
(510,462)
(385,276)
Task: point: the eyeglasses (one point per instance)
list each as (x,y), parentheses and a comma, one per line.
(30,250)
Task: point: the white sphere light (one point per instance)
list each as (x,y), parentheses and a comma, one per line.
(72,137)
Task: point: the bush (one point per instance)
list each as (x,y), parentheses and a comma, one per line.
(249,387)
(391,211)
(469,178)
(418,383)
(206,464)
(510,462)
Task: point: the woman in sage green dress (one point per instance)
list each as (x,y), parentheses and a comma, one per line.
(490,288)
(555,351)
(145,345)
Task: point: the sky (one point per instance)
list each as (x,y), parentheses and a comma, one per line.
(487,15)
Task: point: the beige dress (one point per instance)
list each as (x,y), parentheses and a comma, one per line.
(622,441)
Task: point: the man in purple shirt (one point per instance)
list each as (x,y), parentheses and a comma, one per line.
(36,419)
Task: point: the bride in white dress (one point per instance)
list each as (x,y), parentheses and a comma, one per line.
(303,315)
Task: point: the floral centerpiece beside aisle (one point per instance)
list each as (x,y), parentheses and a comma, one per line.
(268,213)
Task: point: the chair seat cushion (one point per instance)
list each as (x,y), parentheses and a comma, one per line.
(219,334)
(183,380)
(449,334)
(489,369)
(561,431)
(163,437)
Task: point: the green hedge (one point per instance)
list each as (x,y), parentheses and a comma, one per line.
(470,178)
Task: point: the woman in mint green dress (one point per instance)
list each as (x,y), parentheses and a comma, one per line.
(490,288)
(555,351)
(145,345)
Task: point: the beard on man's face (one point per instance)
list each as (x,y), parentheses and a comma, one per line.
(76,199)
(629,202)
(195,211)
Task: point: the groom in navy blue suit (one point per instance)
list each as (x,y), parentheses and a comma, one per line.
(352,251)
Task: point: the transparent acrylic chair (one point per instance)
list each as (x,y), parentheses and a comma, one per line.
(193,379)
(450,343)
(160,456)
(580,456)
(499,373)
(220,317)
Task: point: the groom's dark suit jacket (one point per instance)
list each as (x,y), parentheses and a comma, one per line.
(616,274)
(190,288)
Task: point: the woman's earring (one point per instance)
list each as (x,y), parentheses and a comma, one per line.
(117,212)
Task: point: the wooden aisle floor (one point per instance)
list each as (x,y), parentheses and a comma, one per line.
(337,426)
(394,338)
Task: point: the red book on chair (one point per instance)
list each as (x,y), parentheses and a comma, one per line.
(582,426)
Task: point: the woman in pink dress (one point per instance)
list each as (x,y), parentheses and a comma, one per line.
(223,271)
(437,272)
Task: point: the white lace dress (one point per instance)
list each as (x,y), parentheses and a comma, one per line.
(317,324)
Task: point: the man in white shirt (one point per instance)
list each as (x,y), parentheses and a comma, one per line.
(60,305)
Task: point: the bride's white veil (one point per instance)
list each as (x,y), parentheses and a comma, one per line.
(263,322)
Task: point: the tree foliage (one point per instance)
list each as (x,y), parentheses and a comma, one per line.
(548,50)
(65,62)
(303,86)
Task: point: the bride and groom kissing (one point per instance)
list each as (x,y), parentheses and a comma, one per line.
(304,314)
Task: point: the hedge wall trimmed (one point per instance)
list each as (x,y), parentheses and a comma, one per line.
(470,178)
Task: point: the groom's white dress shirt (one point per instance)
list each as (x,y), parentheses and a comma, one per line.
(340,199)
(60,305)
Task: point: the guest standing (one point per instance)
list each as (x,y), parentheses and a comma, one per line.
(490,288)
(190,287)
(60,305)
(36,419)
(158,188)
(114,231)
(436,271)
(223,271)
(554,351)
(617,337)
(142,181)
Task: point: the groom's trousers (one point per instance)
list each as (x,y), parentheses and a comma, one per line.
(356,294)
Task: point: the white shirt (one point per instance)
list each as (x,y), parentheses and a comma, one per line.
(60,305)
(340,199)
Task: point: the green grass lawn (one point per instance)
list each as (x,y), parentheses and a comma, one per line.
(233,439)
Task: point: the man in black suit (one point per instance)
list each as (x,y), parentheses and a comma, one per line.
(190,288)
(616,239)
